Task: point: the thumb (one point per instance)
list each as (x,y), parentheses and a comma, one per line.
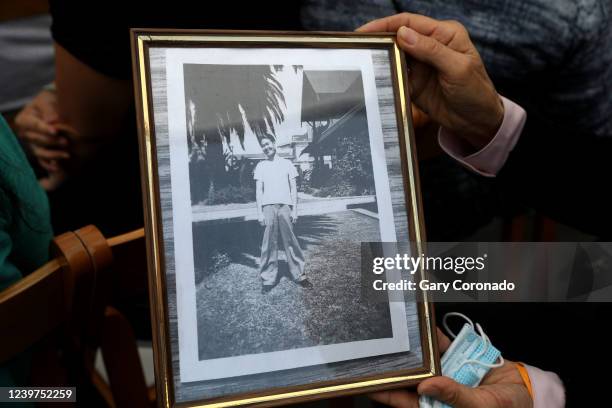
(429,50)
(450,392)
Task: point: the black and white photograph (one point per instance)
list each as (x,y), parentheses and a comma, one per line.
(287,177)
(273,167)
(286,193)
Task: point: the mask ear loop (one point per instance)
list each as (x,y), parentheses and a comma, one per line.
(486,341)
(445,324)
(483,335)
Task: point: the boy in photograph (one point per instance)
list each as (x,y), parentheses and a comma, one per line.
(276,196)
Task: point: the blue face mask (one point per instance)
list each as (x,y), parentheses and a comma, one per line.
(468,359)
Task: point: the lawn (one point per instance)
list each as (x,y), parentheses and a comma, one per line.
(235,318)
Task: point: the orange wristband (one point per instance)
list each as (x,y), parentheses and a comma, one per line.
(525,377)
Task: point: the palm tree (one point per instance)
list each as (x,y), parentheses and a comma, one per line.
(225,96)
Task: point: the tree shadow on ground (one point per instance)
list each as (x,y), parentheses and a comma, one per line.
(217,244)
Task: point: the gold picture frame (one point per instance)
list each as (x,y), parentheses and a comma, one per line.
(148,45)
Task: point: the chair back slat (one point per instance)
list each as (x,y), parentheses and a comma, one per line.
(31,308)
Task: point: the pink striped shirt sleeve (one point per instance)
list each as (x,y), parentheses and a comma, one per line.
(491,158)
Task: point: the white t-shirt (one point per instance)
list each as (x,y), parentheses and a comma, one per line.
(275,175)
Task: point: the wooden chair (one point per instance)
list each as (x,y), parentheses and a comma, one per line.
(55,307)
(63,305)
(30,311)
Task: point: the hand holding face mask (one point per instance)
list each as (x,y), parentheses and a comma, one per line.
(470,356)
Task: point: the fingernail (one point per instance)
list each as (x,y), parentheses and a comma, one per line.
(408,35)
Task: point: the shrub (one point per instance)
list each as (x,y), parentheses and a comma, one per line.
(308,190)
(353,164)
(231,194)
(219,261)
(337,190)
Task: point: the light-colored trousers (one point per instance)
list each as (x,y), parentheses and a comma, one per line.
(278,219)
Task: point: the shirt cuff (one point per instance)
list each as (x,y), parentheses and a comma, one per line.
(491,158)
(548,390)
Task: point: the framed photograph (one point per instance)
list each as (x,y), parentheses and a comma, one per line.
(268,160)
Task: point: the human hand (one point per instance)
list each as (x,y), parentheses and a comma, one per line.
(294,215)
(447,77)
(501,387)
(419,118)
(37,125)
(261,219)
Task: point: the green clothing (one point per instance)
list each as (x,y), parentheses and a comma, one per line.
(25,228)
(25,225)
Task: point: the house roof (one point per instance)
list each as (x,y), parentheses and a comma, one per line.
(330,94)
(331,82)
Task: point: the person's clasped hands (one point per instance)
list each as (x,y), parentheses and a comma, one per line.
(447,78)
(38,125)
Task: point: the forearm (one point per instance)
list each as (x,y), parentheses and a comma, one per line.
(96,106)
(258,195)
(294,198)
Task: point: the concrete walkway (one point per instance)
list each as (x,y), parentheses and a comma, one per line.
(247,212)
